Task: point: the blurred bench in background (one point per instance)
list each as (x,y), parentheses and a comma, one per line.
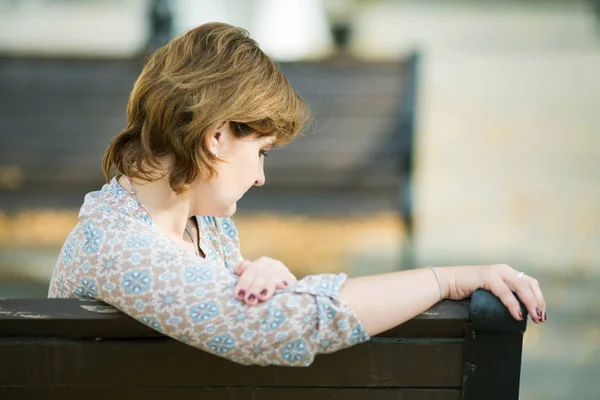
(58,116)
(353,165)
(72,349)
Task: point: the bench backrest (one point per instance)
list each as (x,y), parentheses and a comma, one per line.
(73,349)
(58,117)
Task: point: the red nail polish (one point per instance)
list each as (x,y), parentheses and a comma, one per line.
(284,283)
(251,297)
(242,293)
(521,314)
(544,316)
(539,312)
(264,292)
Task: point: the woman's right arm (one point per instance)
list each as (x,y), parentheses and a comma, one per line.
(384,301)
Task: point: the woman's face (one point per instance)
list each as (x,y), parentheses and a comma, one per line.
(239,167)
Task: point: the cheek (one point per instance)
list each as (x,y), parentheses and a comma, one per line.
(237,176)
(250,167)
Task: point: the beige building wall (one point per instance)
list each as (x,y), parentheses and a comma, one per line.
(508,159)
(508,136)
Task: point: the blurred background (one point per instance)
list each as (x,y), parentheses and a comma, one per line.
(444,132)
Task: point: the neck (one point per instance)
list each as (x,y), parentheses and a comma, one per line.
(169,210)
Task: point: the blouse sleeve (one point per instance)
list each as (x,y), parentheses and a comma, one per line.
(192,300)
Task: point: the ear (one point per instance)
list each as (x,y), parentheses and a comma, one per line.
(215,138)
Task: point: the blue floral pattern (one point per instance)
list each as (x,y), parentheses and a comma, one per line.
(205,311)
(136,281)
(68,251)
(87,289)
(137,241)
(151,322)
(198,274)
(92,238)
(221,344)
(358,335)
(117,254)
(295,351)
(274,319)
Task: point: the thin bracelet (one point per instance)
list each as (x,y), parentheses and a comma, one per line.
(437,278)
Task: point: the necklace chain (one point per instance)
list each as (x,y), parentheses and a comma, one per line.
(137,199)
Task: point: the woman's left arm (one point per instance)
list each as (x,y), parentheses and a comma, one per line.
(192,300)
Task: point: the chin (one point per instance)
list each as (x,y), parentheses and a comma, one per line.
(230,211)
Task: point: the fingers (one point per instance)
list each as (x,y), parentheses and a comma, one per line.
(269,288)
(241,267)
(278,281)
(241,289)
(247,276)
(265,285)
(282,284)
(285,280)
(527,298)
(260,279)
(255,289)
(530,294)
(526,289)
(503,292)
(247,288)
(537,292)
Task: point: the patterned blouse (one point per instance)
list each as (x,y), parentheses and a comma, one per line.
(117,254)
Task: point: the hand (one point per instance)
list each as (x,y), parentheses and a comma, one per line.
(501,280)
(260,278)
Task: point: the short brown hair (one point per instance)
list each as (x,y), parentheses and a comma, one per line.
(206,76)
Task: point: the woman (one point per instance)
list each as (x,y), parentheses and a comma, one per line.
(203,114)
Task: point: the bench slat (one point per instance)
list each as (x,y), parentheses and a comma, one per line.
(166,362)
(255,393)
(72,318)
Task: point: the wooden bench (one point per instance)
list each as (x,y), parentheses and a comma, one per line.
(83,349)
(59,115)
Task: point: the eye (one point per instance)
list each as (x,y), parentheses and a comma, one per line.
(263,153)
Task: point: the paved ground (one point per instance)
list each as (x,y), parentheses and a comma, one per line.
(561,359)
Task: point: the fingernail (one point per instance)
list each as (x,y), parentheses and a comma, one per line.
(264,292)
(539,312)
(242,293)
(544,316)
(521,314)
(285,283)
(252,297)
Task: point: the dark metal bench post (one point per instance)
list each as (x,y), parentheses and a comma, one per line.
(492,350)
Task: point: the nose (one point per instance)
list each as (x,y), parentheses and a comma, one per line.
(261,177)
